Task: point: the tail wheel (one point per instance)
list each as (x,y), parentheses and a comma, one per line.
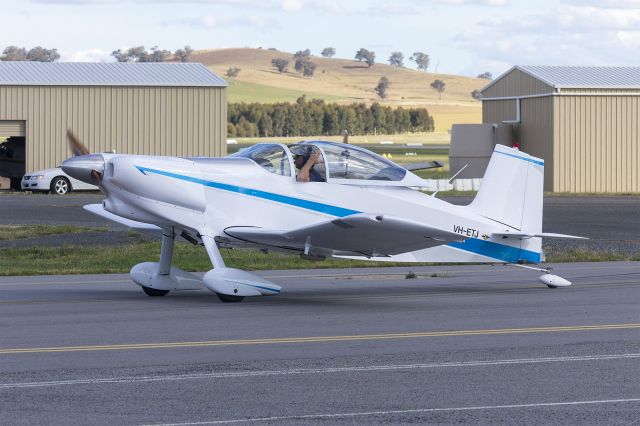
(154,292)
(229,298)
(60,185)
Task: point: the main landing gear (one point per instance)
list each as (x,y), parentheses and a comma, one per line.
(230,285)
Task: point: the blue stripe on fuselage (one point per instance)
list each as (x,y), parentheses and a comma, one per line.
(278,198)
(491,249)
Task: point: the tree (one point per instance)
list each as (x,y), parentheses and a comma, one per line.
(14,53)
(438,85)
(421,59)
(328,52)
(156,55)
(302,54)
(120,55)
(40,54)
(381,88)
(233,72)
(476,94)
(308,69)
(139,54)
(303,63)
(367,56)
(184,54)
(486,75)
(280,64)
(396,59)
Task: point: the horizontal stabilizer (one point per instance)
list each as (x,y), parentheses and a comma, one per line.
(524,235)
(422,166)
(361,233)
(98,210)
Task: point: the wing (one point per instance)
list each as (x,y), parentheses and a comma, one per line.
(98,210)
(360,233)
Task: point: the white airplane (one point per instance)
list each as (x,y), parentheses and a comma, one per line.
(344,202)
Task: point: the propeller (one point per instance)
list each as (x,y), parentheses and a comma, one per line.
(76,146)
(83,166)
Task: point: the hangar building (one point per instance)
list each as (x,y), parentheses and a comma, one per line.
(584,121)
(137,108)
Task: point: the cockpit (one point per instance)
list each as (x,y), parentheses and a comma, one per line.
(332,163)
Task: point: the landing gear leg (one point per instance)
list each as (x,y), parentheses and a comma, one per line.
(218,263)
(164,267)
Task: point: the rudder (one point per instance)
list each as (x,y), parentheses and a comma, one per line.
(512,189)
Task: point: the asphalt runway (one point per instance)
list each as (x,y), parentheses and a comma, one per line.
(458,344)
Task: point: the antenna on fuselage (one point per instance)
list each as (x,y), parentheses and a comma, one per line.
(452,178)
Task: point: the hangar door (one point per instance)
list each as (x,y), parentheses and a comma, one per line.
(12,151)
(12,128)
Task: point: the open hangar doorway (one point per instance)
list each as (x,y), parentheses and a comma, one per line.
(12,153)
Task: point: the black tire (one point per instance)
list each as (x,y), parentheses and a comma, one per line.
(552,286)
(229,298)
(154,292)
(60,185)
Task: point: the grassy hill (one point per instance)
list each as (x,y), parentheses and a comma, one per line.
(343,81)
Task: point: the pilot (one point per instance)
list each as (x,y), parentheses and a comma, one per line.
(305,164)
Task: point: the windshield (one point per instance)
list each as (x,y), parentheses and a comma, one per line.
(271,157)
(350,162)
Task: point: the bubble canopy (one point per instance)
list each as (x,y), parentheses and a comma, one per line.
(338,163)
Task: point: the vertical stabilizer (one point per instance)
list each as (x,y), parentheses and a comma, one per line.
(512,190)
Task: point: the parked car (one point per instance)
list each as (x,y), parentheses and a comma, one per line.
(55,181)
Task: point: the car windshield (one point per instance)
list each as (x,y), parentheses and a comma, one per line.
(350,162)
(271,157)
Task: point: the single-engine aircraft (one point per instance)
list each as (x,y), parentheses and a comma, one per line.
(314,199)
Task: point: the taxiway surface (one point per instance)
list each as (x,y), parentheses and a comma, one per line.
(476,344)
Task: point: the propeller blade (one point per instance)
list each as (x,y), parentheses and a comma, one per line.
(76,146)
(83,165)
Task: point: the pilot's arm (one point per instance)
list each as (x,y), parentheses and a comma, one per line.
(303,175)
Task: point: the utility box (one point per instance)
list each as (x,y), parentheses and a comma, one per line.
(473,144)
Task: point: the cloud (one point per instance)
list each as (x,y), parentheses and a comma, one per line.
(214,21)
(565,35)
(570,19)
(90,55)
(475,2)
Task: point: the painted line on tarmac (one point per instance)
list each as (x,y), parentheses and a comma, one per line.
(327,370)
(400,412)
(318,339)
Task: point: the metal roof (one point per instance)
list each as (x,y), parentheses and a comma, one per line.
(579,77)
(586,77)
(26,73)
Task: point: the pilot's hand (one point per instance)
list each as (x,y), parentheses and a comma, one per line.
(303,176)
(315,156)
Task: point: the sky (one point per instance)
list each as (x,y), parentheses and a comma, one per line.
(465,37)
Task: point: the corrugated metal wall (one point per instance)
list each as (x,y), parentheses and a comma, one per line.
(180,121)
(535,134)
(597,141)
(535,131)
(516,83)
(590,141)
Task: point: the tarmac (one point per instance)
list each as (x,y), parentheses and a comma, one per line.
(458,344)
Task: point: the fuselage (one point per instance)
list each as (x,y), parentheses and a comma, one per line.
(207,196)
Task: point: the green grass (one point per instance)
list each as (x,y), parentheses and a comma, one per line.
(17,232)
(77,259)
(99,259)
(240,91)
